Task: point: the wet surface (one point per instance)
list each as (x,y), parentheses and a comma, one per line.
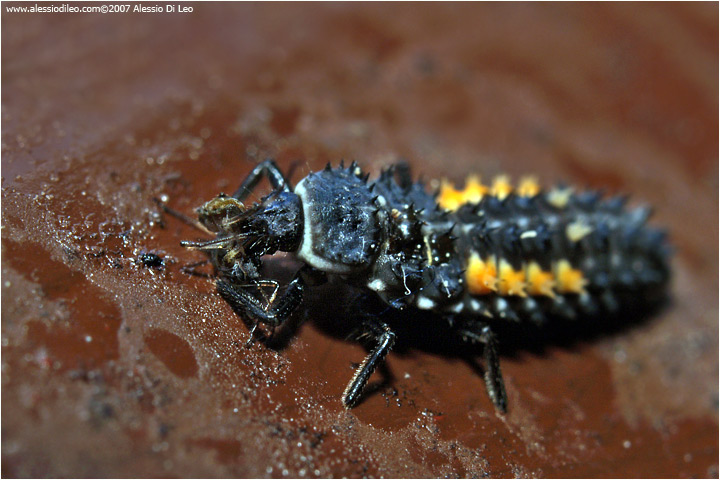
(116,363)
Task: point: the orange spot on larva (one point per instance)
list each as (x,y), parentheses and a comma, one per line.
(569,280)
(501,187)
(528,187)
(481,275)
(450,198)
(510,281)
(539,281)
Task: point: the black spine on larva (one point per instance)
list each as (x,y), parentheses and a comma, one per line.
(401,194)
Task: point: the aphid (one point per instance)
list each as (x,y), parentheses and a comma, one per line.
(150,260)
(477,256)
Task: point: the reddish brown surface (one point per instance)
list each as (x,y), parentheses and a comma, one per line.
(113,369)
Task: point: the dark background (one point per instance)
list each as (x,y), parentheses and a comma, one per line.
(110,368)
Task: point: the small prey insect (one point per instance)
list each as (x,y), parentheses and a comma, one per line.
(476,256)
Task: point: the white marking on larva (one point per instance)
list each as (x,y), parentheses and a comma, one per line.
(428,250)
(475,305)
(501,304)
(523,222)
(424,303)
(377,285)
(577,230)
(529,234)
(457,308)
(381,201)
(467,228)
(305,253)
(559,197)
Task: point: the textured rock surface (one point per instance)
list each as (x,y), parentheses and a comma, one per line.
(113,365)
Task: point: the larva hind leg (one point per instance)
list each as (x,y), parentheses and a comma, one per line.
(480,332)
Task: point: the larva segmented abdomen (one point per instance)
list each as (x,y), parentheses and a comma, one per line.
(530,253)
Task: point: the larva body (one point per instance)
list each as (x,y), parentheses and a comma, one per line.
(491,251)
(475,256)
